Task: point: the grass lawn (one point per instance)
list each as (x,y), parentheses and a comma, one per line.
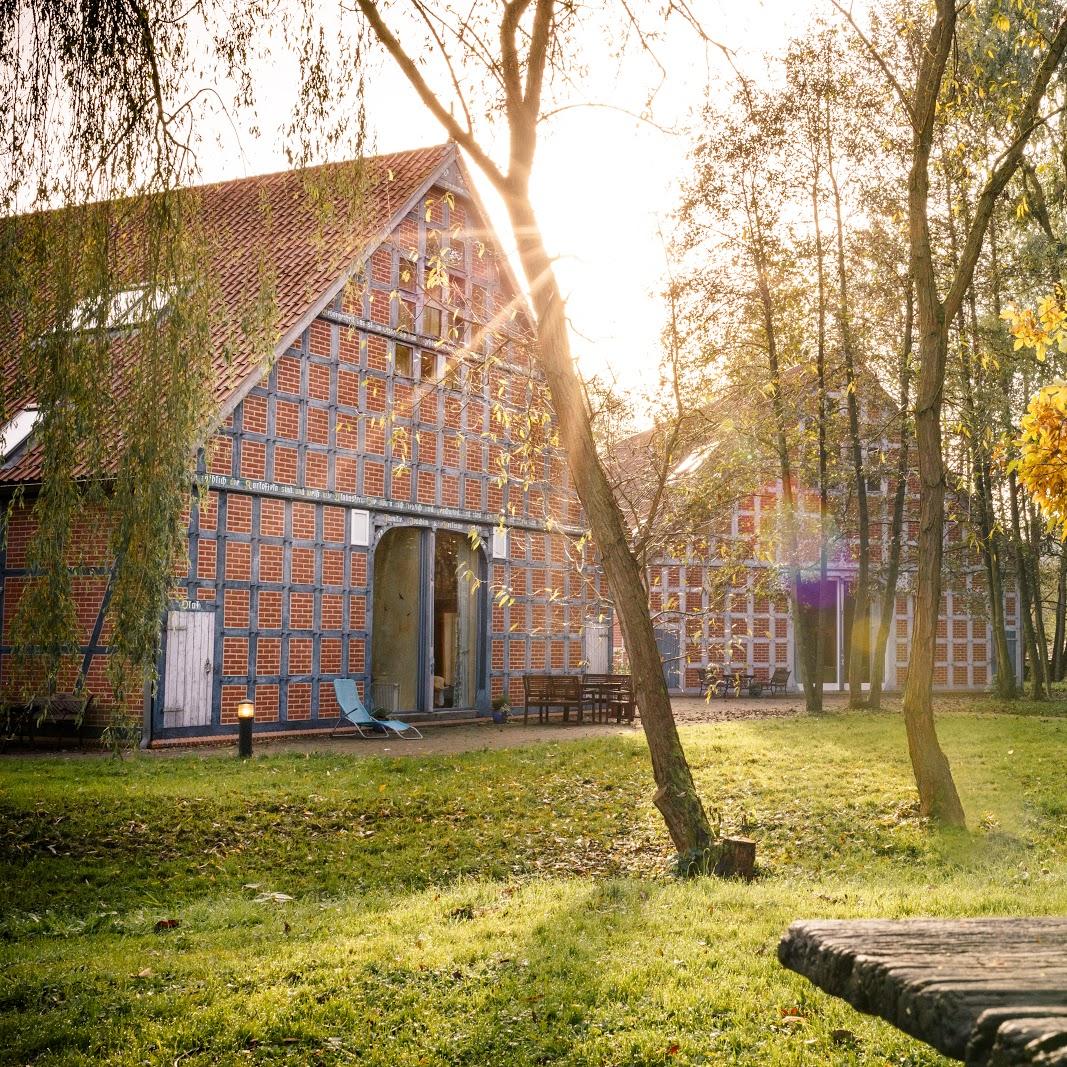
(504,908)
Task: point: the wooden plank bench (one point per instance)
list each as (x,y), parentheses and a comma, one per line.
(547,691)
(991,992)
(61,715)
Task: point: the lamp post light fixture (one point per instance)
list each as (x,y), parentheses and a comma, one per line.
(246,714)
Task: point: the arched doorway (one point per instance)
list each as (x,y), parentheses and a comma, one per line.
(428,650)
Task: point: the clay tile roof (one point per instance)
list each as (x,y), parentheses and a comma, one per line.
(269,220)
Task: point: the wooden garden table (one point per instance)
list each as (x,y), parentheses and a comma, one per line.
(988,991)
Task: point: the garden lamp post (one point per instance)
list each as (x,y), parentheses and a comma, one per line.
(246,714)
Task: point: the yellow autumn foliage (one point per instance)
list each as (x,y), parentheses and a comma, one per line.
(1042,443)
(1039,329)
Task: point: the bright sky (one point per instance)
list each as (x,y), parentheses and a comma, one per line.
(605,185)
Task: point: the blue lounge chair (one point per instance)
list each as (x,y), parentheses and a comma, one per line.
(353,712)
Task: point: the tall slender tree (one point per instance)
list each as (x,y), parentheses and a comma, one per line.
(516,44)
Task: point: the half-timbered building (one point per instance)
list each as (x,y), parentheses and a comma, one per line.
(717,578)
(382,499)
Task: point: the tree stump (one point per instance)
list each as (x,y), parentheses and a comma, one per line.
(737,858)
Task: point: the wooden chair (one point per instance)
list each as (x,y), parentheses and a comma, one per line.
(537,693)
(778,681)
(605,692)
(567,694)
(622,700)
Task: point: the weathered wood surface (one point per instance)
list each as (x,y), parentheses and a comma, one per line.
(992,992)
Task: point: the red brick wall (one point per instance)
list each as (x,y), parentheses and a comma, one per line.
(88,553)
(337,414)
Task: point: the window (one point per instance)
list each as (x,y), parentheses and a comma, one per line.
(458,253)
(500,542)
(16,431)
(431,321)
(457,328)
(428,366)
(403,360)
(451,373)
(872,471)
(476,377)
(405,316)
(478,302)
(360,528)
(408,273)
(123,311)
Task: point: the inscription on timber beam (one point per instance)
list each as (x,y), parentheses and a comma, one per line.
(352,500)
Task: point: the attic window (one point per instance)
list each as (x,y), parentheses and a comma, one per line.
(408,273)
(16,431)
(694,461)
(123,311)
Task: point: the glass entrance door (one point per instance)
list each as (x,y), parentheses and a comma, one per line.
(848,614)
(427,651)
(455,621)
(819,601)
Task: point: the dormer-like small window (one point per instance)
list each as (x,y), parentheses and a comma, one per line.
(16,431)
(125,310)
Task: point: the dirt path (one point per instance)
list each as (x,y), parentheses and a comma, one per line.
(446,740)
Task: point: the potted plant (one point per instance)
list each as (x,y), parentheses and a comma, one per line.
(501,710)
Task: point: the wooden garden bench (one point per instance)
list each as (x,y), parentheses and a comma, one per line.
(992,992)
(547,691)
(61,715)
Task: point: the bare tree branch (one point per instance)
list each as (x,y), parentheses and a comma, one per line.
(462,137)
(877,57)
(441,47)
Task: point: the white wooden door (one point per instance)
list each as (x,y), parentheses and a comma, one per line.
(189,668)
(597,651)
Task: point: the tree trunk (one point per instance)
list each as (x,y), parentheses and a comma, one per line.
(937,791)
(817,640)
(933,776)
(983,475)
(978,446)
(896,532)
(860,640)
(1022,569)
(1061,619)
(676,796)
(1033,525)
(812,679)
(1005,682)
